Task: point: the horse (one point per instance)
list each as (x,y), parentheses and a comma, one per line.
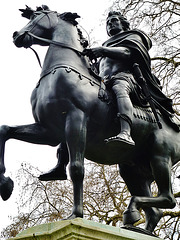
(66,108)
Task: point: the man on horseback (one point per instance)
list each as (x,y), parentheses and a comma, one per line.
(117,56)
(115,66)
(115,72)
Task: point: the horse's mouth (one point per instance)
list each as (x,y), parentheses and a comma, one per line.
(22,39)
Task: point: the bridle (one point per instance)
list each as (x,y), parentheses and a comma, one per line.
(46,40)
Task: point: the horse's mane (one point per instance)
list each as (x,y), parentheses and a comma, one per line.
(70,17)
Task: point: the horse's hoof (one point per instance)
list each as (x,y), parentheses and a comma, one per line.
(153,220)
(131,216)
(54,174)
(6,188)
(73,216)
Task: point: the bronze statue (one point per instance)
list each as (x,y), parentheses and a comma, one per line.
(67,110)
(118,55)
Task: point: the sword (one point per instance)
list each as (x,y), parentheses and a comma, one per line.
(142,82)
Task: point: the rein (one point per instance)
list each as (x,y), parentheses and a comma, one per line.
(54,42)
(61,45)
(51,42)
(37,56)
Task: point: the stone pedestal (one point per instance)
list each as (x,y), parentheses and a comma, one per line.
(79,229)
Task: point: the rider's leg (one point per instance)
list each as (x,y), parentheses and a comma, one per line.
(59,171)
(122,90)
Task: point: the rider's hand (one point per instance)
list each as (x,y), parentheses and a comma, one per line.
(94,53)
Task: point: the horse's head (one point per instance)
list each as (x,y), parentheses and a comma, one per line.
(41,23)
(51,28)
(42,26)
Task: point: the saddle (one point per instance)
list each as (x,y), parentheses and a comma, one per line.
(139,101)
(142,108)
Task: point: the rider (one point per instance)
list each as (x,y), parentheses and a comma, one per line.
(117,56)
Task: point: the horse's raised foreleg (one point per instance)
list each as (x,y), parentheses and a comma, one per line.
(75,131)
(33,133)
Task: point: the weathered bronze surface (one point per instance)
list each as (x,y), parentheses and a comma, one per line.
(67,111)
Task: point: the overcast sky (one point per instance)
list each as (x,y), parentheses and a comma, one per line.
(20,73)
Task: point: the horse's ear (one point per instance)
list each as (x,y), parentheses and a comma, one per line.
(27,12)
(75,15)
(70,17)
(43,7)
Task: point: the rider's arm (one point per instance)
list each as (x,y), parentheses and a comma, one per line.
(122,53)
(116,52)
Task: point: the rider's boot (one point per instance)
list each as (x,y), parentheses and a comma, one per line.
(125,117)
(59,171)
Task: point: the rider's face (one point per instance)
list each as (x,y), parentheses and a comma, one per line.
(113,25)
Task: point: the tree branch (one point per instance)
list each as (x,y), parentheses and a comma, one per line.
(168,60)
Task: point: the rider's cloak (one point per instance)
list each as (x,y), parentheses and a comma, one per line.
(139,44)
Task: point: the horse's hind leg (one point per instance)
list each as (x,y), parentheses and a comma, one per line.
(59,171)
(139,186)
(161,169)
(33,133)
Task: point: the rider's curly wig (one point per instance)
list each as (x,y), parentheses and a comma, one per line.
(124,21)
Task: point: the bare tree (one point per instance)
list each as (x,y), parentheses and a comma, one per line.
(38,202)
(105,199)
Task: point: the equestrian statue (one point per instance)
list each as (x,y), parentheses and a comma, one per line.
(103,104)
